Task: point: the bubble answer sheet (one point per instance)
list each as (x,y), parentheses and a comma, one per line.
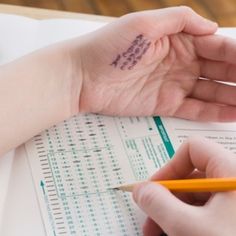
(75,164)
(81,160)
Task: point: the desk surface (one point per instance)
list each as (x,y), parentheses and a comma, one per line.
(38,13)
(222,11)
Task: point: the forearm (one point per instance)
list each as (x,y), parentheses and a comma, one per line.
(36,92)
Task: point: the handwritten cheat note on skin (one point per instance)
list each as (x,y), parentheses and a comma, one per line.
(129,58)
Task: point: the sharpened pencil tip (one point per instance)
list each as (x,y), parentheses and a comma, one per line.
(112,189)
(117,189)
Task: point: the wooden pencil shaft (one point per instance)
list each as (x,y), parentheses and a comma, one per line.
(193,185)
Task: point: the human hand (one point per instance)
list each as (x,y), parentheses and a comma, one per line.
(161,75)
(192,214)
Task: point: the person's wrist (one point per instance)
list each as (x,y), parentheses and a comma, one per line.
(62,78)
(65,63)
(44,87)
(65,78)
(72,52)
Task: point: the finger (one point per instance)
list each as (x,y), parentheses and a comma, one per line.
(189,198)
(170,172)
(196,174)
(214,92)
(215,161)
(216,70)
(163,207)
(175,169)
(192,198)
(177,19)
(151,228)
(194,109)
(200,154)
(184,197)
(195,196)
(216,47)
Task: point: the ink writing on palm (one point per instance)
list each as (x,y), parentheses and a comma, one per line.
(147,77)
(129,58)
(140,69)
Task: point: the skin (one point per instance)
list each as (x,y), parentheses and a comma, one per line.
(194,214)
(168,71)
(77,76)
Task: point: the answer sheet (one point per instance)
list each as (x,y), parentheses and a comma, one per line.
(76,164)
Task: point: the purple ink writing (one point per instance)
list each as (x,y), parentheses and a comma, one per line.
(115,62)
(134,53)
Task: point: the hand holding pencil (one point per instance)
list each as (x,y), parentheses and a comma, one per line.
(190,213)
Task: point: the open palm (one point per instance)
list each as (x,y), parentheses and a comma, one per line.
(149,63)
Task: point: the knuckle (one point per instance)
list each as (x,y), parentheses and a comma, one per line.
(223,48)
(139,19)
(186,9)
(134,16)
(229,72)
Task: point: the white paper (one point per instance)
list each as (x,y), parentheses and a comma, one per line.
(74,165)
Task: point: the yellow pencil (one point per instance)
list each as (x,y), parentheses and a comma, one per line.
(192,185)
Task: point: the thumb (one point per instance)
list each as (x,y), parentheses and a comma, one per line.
(177,19)
(163,207)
